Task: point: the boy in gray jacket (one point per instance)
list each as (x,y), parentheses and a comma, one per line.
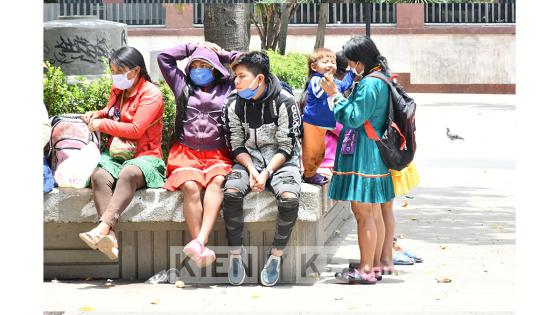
(262,124)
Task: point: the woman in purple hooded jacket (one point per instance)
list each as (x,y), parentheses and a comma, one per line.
(198,158)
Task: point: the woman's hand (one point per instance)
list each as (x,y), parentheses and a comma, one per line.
(94,125)
(88,116)
(211,46)
(327,84)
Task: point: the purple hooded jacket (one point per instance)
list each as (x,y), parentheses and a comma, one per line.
(202,126)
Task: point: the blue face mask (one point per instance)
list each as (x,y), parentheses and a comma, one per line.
(249,93)
(201,77)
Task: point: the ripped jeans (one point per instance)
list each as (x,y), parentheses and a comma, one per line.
(286,179)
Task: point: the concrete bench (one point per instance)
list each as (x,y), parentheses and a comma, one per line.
(153,225)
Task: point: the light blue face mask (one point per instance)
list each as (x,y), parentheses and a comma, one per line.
(201,77)
(249,93)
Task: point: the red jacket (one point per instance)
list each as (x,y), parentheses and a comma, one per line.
(140,110)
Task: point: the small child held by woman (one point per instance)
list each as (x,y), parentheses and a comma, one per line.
(317,114)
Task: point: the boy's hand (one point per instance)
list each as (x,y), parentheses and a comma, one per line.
(261,181)
(253,173)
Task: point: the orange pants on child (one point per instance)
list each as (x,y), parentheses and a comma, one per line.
(313,150)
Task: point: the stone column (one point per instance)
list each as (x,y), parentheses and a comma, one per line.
(178,15)
(410,15)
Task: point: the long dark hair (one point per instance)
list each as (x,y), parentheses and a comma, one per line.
(364,50)
(131,58)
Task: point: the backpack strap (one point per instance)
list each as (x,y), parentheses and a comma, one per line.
(382,76)
(155,122)
(370,132)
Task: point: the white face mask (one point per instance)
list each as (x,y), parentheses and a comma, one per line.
(355,72)
(121,81)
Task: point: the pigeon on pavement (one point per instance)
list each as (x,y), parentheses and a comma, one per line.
(452,136)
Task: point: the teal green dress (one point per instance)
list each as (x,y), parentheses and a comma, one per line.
(362,176)
(152,168)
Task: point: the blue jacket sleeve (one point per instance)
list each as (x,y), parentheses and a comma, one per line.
(346,83)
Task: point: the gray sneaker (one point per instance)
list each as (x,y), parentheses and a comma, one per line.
(236,270)
(271,271)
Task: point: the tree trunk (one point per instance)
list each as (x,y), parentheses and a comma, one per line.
(249,8)
(270,26)
(287,11)
(226,25)
(323,13)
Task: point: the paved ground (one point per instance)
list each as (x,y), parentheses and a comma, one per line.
(461,220)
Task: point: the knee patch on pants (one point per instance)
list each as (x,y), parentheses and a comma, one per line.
(288,202)
(233,217)
(287,216)
(235,196)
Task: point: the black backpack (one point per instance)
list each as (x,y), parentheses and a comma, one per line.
(397,145)
(273,111)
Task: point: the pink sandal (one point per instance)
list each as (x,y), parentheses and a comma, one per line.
(206,258)
(378,273)
(387,270)
(193,249)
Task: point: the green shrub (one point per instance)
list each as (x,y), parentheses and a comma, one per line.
(291,68)
(63,98)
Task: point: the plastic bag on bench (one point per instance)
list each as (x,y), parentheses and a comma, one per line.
(164,276)
(76,169)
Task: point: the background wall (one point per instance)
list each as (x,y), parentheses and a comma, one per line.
(429,59)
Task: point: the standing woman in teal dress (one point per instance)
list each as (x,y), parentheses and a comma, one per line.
(359,174)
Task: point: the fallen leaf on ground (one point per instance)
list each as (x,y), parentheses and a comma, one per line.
(87,308)
(413,219)
(442,247)
(315,276)
(179,284)
(254,296)
(405,204)
(409,197)
(156,301)
(443,280)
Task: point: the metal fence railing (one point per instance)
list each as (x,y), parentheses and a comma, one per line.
(133,14)
(152,12)
(486,13)
(339,13)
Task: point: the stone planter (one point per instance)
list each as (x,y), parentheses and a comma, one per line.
(80,44)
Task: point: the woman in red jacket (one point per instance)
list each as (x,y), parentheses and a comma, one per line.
(133,119)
